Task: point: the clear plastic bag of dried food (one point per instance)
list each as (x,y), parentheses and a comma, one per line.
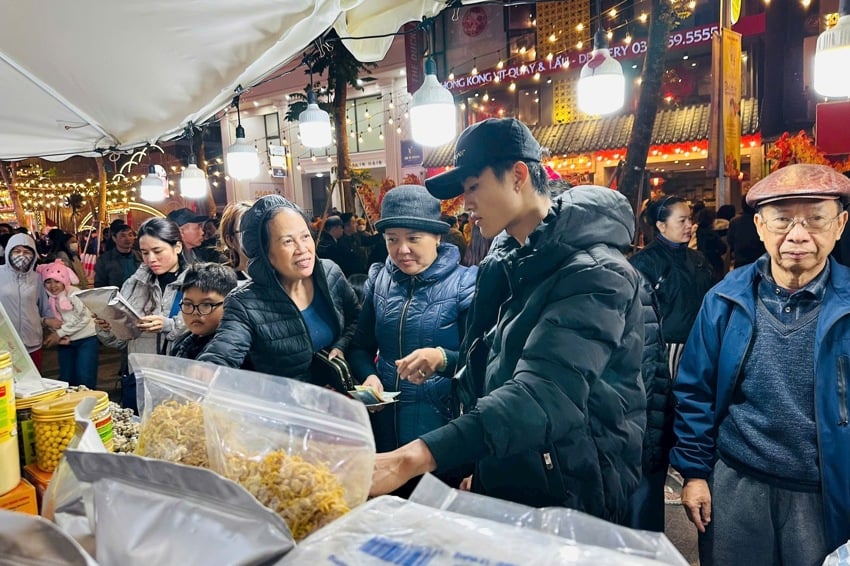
(172,417)
(304,451)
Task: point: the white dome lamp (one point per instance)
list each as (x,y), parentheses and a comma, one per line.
(314,124)
(433,115)
(832,57)
(193,181)
(243,163)
(601,85)
(152,188)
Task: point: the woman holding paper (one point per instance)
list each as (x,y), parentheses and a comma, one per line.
(412,317)
(153,292)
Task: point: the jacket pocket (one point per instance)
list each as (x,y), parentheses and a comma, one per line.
(843,367)
(555,480)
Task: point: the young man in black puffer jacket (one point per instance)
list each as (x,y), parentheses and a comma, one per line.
(557,408)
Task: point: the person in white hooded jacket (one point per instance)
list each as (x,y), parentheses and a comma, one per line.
(22,294)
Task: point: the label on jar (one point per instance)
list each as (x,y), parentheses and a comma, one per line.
(26,440)
(8,426)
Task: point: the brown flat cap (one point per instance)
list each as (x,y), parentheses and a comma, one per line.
(800,181)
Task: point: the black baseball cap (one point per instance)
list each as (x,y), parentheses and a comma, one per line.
(183,216)
(485,143)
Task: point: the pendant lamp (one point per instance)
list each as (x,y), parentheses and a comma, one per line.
(242,160)
(601,84)
(152,188)
(193,181)
(433,115)
(314,124)
(832,57)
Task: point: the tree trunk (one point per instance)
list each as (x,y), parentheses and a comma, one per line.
(647,106)
(102,208)
(14,196)
(343,160)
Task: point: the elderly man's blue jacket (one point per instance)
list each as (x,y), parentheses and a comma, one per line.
(712,362)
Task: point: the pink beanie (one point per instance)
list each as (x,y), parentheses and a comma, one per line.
(58,271)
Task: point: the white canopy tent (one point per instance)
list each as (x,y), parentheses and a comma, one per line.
(88,75)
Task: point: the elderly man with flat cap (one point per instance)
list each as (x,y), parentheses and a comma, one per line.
(763,390)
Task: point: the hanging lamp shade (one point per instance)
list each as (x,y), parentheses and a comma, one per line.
(242,160)
(193,182)
(152,188)
(314,124)
(601,85)
(433,115)
(832,57)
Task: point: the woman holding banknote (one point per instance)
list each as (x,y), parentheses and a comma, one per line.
(412,318)
(154,292)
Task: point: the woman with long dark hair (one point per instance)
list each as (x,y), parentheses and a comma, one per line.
(230,233)
(64,247)
(679,276)
(154,292)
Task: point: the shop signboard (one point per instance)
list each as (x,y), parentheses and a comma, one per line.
(730,102)
(677,40)
(832,136)
(411,153)
(414,46)
(277,160)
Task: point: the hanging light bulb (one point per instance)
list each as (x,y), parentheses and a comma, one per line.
(601,85)
(314,124)
(433,116)
(193,182)
(242,160)
(832,56)
(474,70)
(152,188)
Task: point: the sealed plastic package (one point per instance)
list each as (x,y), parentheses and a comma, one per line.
(304,451)
(172,426)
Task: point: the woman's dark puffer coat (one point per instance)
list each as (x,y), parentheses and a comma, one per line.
(680,277)
(432,304)
(262,328)
(659,388)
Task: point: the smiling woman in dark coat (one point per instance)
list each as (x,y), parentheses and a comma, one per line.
(294,305)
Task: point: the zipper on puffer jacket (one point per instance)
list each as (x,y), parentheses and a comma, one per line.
(552,471)
(842,390)
(401,350)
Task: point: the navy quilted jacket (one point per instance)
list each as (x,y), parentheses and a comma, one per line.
(402,313)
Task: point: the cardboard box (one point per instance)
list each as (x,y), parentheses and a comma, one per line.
(21,499)
(39,479)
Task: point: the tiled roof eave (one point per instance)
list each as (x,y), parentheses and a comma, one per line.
(675,125)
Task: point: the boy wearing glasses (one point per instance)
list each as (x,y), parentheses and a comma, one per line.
(204,287)
(763,414)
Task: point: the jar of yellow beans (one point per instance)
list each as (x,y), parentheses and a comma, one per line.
(54,425)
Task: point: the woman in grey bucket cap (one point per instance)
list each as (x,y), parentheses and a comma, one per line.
(411,318)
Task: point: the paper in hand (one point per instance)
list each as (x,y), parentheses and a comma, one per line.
(108,304)
(370,397)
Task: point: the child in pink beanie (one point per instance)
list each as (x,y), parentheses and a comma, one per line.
(74,325)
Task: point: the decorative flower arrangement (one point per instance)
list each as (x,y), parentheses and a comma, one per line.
(800,148)
(372,204)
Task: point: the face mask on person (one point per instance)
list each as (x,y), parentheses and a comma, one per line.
(21,263)
(74,247)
